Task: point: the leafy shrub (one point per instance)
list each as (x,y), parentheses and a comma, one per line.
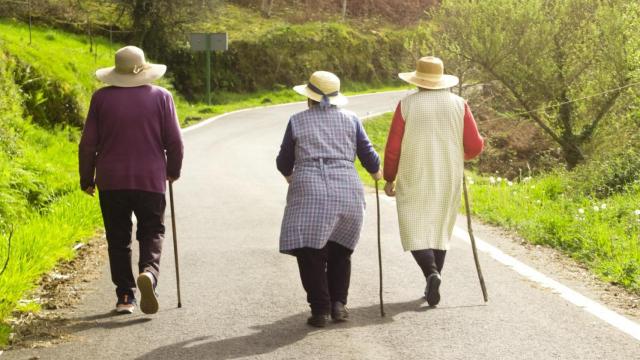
(609,174)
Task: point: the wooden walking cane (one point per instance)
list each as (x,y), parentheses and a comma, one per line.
(473,240)
(175,242)
(379,250)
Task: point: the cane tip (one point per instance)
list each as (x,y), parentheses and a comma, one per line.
(179,305)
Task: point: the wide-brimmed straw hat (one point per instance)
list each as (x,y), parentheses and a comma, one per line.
(323,87)
(131,69)
(430,74)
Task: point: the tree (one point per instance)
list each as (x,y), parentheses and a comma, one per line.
(158,26)
(547,57)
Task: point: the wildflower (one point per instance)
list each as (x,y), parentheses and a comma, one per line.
(538,201)
(603,206)
(637,212)
(596,208)
(492,180)
(499,179)
(510,183)
(581,211)
(471,182)
(527,179)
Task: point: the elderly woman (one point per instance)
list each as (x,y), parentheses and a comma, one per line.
(325,201)
(432,133)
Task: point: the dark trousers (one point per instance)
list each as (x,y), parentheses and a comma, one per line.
(325,275)
(117,207)
(429,260)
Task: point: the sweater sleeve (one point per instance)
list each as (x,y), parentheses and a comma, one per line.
(473,142)
(287,156)
(88,148)
(365,151)
(172,139)
(394,144)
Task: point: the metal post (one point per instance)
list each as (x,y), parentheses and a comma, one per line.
(208,51)
(29,5)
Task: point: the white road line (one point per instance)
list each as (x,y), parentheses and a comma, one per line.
(593,307)
(600,311)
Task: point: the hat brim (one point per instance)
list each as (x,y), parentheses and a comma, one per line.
(146,76)
(338,100)
(445,82)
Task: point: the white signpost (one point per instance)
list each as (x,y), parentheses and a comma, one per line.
(209,42)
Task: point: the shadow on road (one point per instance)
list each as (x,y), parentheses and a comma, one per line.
(271,337)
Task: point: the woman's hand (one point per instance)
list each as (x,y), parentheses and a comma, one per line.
(390,188)
(377,176)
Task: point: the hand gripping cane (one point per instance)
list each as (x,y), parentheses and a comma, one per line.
(379,250)
(472,238)
(175,242)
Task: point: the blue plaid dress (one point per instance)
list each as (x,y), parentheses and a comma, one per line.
(325,201)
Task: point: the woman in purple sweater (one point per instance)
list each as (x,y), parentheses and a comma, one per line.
(131,145)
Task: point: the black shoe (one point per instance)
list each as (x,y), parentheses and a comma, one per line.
(148,296)
(126,304)
(432,292)
(339,312)
(318,321)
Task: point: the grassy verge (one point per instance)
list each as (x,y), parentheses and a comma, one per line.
(603,234)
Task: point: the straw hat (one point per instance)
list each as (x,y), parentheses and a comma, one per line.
(131,69)
(429,74)
(323,87)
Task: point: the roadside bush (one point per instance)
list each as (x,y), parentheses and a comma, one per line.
(288,55)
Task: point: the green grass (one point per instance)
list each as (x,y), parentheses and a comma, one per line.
(547,210)
(377,129)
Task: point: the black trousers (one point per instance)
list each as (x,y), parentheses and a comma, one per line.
(325,275)
(429,260)
(117,207)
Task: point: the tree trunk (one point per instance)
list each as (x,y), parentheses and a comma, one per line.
(572,154)
(267,6)
(344,9)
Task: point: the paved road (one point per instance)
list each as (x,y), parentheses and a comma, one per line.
(242,299)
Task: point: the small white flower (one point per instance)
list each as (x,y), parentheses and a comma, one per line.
(596,208)
(538,201)
(471,182)
(603,206)
(492,180)
(581,211)
(510,183)
(499,179)
(527,179)
(637,212)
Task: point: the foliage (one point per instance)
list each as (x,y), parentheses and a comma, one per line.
(602,233)
(546,54)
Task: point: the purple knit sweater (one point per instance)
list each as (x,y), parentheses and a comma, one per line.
(131,140)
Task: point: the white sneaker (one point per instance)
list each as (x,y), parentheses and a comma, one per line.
(148,297)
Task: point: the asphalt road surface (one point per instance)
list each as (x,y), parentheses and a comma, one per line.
(242,299)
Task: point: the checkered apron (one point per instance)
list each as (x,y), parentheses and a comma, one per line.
(325,201)
(430,171)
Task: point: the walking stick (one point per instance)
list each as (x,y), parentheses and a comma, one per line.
(379,250)
(472,238)
(175,242)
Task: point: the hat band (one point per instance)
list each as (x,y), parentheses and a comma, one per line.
(325,97)
(428,77)
(135,70)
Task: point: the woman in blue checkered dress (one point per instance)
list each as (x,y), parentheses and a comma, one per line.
(325,201)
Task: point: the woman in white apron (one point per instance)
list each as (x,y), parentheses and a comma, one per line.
(325,202)
(432,133)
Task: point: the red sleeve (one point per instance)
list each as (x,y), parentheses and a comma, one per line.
(394,143)
(473,143)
